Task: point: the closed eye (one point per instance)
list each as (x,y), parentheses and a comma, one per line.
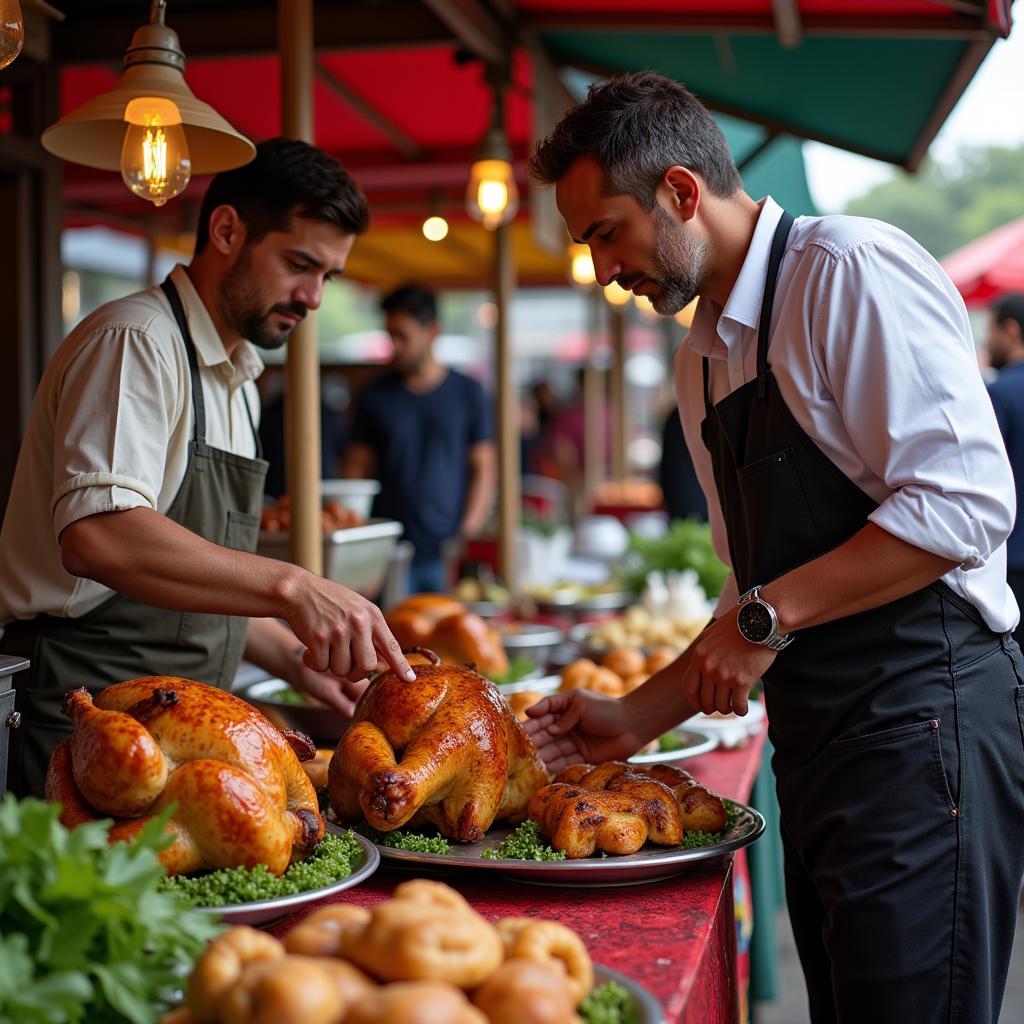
(299,268)
(607,236)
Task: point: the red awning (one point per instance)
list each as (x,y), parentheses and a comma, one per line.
(990,266)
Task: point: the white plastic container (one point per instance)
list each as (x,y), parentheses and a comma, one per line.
(357,495)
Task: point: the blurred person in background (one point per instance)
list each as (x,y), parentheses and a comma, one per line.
(1005,349)
(424,431)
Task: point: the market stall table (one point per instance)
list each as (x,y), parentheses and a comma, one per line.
(677,937)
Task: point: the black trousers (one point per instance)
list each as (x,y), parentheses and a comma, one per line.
(905,850)
(1015,577)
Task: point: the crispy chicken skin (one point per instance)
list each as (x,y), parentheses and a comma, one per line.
(445,749)
(242,795)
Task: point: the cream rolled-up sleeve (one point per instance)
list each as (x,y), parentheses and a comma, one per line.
(898,356)
(116,405)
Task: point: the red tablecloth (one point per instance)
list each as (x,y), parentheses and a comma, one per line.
(677,937)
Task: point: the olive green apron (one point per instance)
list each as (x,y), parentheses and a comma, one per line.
(219,499)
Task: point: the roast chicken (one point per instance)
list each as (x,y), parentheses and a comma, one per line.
(616,807)
(445,749)
(459,637)
(242,796)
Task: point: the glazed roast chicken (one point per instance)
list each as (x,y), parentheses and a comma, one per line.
(445,749)
(242,796)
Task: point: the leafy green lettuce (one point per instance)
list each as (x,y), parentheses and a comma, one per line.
(84,933)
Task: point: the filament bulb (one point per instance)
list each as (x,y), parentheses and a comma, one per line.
(155,163)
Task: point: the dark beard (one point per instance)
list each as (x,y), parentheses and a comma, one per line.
(241,306)
(679,257)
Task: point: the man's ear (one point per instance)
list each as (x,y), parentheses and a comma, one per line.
(682,190)
(227,230)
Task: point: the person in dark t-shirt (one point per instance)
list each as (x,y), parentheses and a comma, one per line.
(425,432)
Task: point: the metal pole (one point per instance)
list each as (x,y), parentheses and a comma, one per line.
(302,372)
(620,410)
(594,431)
(508,410)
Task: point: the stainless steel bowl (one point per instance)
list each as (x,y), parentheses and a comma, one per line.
(323,724)
(533,641)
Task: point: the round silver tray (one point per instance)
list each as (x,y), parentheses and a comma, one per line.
(648,865)
(645,1009)
(270,910)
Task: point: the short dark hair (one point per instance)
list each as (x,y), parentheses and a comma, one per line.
(637,126)
(418,302)
(286,178)
(1010,307)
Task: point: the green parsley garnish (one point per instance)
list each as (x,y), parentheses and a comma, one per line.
(406,839)
(287,696)
(609,1003)
(670,741)
(330,862)
(523,844)
(698,837)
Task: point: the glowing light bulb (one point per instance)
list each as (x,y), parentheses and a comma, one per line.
(12,31)
(581,265)
(492,197)
(616,294)
(155,163)
(435,229)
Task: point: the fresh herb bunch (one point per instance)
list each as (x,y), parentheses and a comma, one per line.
(330,862)
(686,545)
(286,695)
(405,839)
(85,932)
(523,844)
(609,1003)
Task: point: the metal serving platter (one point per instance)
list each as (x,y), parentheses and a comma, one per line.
(270,910)
(648,865)
(645,1007)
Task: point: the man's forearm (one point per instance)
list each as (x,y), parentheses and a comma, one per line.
(872,568)
(146,556)
(660,703)
(273,647)
(479,501)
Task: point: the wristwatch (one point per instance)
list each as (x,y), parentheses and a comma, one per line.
(758,622)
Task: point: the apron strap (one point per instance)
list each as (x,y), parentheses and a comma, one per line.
(707,387)
(252,425)
(774,262)
(198,405)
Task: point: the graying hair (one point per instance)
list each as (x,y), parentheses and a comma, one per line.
(637,126)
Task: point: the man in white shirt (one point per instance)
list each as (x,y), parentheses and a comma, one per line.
(126,549)
(859,490)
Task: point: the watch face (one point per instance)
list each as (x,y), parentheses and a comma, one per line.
(755,622)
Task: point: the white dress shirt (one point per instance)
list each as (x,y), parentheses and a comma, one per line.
(109,430)
(873,354)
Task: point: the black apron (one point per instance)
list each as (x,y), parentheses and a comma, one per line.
(899,738)
(219,499)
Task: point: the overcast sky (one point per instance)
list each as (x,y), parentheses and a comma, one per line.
(991,111)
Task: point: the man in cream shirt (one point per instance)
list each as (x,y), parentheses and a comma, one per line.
(126,546)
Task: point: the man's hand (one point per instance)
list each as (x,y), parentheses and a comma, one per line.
(723,666)
(581,727)
(343,632)
(341,694)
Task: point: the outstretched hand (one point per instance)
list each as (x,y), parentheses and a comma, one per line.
(580,727)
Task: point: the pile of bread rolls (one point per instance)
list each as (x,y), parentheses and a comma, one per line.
(423,957)
(639,628)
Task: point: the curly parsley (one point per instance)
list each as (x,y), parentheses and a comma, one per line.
(609,1003)
(405,839)
(523,844)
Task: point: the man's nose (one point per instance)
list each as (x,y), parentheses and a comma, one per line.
(606,268)
(309,294)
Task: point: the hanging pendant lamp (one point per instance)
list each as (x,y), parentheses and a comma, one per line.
(150,126)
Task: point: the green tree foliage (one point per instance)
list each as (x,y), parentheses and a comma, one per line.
(947,205)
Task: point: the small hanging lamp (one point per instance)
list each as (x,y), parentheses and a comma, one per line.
(150,126)
(491,196)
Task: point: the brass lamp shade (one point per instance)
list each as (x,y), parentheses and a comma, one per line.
(154,64)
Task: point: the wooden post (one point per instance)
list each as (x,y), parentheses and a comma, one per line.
(620,410)
(594,403)
(302,372)
(508,410)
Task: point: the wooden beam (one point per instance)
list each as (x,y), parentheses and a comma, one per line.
(402,142)
(91,37)
(788,24)
(962,74)
(955,25)
(475,27)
